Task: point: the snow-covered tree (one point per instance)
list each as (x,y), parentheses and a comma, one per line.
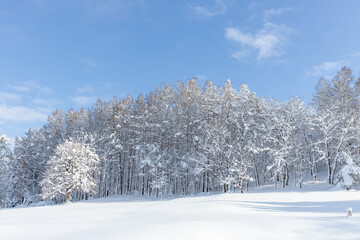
(5,174)
(72,170)
(349,174)
(184,139)
(337,104)
(28,166)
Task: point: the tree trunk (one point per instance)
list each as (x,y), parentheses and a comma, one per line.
(283,177)
(242,185)
(143,185)
(68,197)
(333,172)
(329,171)
(287,175)
(256,171)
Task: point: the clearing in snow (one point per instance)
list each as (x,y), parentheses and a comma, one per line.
(315,212)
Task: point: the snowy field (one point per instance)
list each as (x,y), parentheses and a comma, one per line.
(316,212)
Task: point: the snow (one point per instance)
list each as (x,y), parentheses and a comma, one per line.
(348,172)
(315,212)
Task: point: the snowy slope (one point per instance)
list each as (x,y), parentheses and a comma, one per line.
(313,213)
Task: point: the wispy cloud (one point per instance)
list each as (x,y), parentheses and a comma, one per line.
(111,8)
(26,103)
(27,86)
(85,89)
(20,114)
(20,88)
(268,14)
(47,105)
(9,97)
(356,54)
(242,54)
(87,62)
(270,41)
(326,69)
(267,42)
(42,89)
(83,101)
(217,8)
(43,101)
(23,108)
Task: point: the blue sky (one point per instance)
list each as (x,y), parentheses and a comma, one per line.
(65,54)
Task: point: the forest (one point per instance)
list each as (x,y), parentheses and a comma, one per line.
(187,139)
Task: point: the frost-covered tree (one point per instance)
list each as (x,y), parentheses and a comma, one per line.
(28,166)
(73,170)
(349,174)
(54,131)
(278,136)
(5,174)
(101,117)
(184,139)
(284,138)
(337,104)
(246,130)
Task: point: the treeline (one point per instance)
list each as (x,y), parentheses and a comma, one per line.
(186,139)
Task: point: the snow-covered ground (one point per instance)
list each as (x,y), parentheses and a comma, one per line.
(316,212)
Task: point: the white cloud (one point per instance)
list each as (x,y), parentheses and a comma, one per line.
(20,114)
(268,14)
(43,101)
(9,97)
(27,86)
(270,41)
(326,70)
(357,54)
(87,62)
(267,42)
(239,55)
(47,105)
(20,88)
(42,89)
(218,8)
(83,101)
(111,8)
(85,88)
(103,8)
